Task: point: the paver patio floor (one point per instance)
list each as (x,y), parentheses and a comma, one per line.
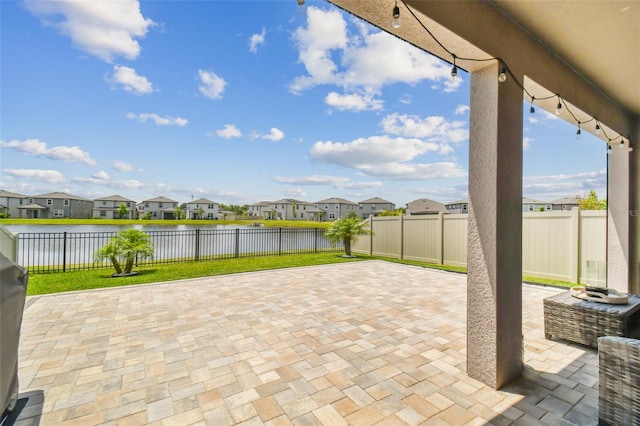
(359,343)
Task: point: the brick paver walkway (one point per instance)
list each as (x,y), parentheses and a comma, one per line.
(348,344)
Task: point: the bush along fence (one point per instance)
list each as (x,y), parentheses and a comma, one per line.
(559,245)
(73,251)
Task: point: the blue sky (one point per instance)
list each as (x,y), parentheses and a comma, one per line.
(244,101)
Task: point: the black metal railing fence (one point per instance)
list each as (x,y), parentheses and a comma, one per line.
(73,251)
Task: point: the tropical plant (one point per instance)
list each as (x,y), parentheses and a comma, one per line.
(123,211)
(346,230)
(127,245)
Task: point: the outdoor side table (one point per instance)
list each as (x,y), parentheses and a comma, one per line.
(582,321)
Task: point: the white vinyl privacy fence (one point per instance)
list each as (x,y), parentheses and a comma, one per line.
(566,246)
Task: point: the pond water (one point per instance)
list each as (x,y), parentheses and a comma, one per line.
(20,229)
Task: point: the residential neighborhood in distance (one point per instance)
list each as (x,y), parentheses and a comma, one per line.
(64,205)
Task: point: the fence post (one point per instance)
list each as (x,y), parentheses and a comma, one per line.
(315,241)
(371,236)
(575,245)
(237,243)
(197,249)
(401,248)
(280,241)
(64,252)
(441,238)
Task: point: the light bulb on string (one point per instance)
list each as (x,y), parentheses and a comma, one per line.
(454,70)
(598,130)
(395,22)
(578,132)
(532,110)
(558,107)
(621,144)
(609,148)
(502,77)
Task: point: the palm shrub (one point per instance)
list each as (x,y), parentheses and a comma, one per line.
(346,230)
(126,245)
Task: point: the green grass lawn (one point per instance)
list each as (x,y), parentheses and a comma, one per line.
(100,278)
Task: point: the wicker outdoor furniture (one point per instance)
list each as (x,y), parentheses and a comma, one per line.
(619,381)
(581,321)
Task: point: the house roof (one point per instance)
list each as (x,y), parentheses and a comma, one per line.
(33,207)
(526,200)
(336,200)
(567,200)
(115,198)
(60,196)
(160,200)
(463,201)
(261,204)
(8,194)
(202,201)
(425,205)
(375,200)
(290,201)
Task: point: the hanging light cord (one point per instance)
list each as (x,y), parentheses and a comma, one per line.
(505,68)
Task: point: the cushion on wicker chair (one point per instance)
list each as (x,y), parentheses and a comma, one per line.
(619,381)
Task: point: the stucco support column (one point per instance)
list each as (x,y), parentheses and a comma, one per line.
(618,217)
(634,210)
(494,260)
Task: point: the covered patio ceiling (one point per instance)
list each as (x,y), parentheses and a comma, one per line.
(597,41)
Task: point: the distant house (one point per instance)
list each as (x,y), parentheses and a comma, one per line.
(374,206)
(423,206)
(10,202)
(458,207)
(291,209)
(159,208)
(109,207)
(531,205)
(203,208)
(330,209)
(261,209)
(56,205)
(566,203)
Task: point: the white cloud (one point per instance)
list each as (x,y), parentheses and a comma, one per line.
(102,175)
(37,148)
(337,182)
(526,143)
(550,187)
(375,150)
(332,56)
(462,109)
(353,102)
(130,81)
(274,135)
(256,40)
(435,128)
(293,192)
(211,85)
(229,131)
(121,166)
(160,121)
(105,29)
(49,176)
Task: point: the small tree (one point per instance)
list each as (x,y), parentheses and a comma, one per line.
(123,211)
(126,245)
(346,230)
(591,202)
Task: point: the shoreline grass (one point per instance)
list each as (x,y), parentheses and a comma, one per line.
(59,282)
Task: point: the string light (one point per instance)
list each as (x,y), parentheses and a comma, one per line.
(454,70)
(621,144)
(503,76)
(395,22)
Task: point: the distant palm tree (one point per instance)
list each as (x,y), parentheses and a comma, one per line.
(346,230)
(126,246)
